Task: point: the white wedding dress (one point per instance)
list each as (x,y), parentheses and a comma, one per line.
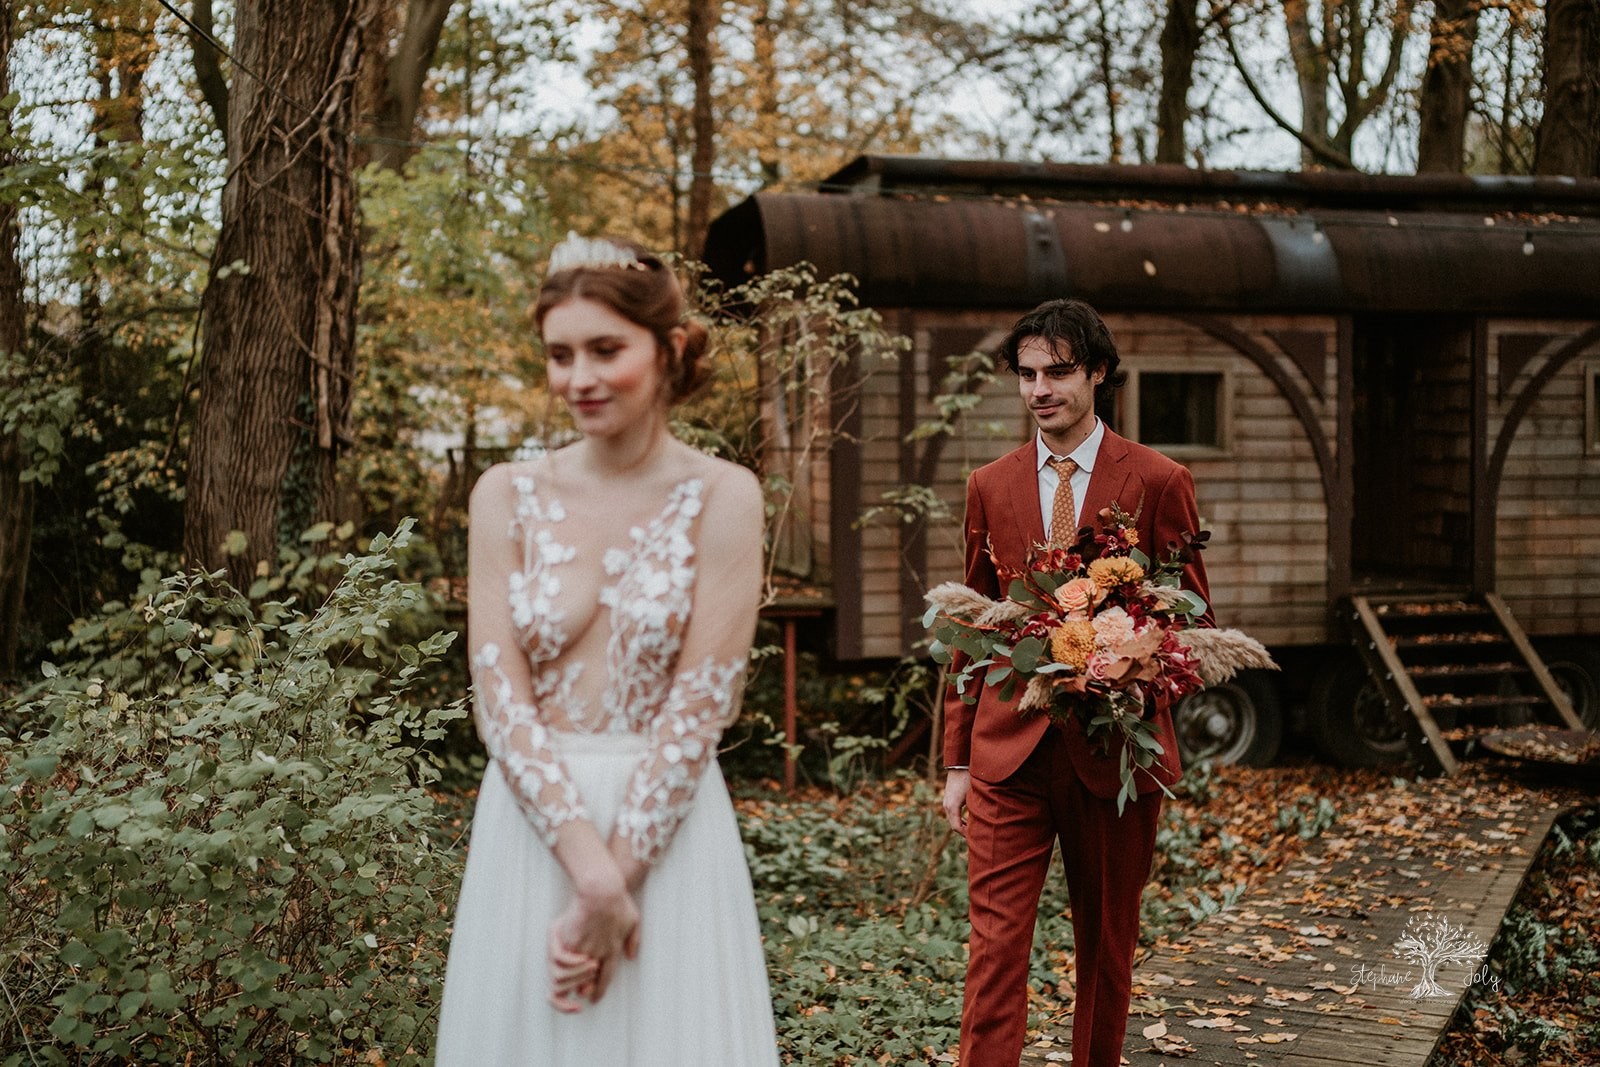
(606,665)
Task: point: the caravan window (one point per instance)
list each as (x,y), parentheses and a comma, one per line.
(1179,411)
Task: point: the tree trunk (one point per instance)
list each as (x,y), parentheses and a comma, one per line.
(703,149)
(208,64)
(1447,88)
(408,72)
(16,496)
(1180,40)
(278,314)
(1108,85)
(765,46)
(1569,132)
(1311,73)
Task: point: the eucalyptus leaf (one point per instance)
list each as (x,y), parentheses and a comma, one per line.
(1025,654)
(1020,592)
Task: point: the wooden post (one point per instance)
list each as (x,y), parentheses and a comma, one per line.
(789,704)
(789,610)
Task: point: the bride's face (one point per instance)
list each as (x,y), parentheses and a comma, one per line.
(606,367)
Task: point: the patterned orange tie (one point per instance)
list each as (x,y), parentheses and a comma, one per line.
(1063,516)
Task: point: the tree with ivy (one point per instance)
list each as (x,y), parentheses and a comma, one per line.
(278,313)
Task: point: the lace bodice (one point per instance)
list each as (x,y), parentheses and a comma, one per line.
(560,645)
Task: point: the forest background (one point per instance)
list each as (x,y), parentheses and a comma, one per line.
(265,271)
(258,270)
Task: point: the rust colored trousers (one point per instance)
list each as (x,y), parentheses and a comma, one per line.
(1012,827)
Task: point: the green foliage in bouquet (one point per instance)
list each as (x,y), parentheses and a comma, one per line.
(234,862)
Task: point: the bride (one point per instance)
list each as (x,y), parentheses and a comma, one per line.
(606,915)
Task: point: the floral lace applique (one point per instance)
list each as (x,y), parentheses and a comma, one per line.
(649,605)
(532,592)
(520,743)
(648,602)
(534,588)
(683,740)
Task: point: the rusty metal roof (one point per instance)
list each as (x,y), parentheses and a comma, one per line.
(920,232)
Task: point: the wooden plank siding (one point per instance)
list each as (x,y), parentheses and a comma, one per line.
(1272,561)
(1262,498)
(1547,518)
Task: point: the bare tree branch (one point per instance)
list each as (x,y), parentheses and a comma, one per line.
(1318,146)
(1365,105)
(408,71)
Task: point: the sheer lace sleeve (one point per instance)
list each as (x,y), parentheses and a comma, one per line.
(704,695)
(504,554)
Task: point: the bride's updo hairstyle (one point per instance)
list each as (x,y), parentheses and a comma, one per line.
(634,282)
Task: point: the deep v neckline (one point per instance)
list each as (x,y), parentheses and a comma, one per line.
(643,592)
(614,559)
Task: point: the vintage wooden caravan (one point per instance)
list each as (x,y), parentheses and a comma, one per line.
(1387,388)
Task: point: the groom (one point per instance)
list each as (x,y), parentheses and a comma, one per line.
(1015,785)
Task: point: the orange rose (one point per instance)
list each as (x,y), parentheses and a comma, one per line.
(1078,597)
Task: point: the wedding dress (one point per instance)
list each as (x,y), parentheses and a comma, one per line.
(605,671)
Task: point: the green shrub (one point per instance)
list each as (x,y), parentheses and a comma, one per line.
(863,904)
(847,723)
(228,859)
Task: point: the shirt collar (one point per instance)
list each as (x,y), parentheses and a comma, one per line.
(1084,455)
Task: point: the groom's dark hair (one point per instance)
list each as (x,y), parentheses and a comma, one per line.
(1076,334)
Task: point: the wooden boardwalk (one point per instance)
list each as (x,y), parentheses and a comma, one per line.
(1305,970)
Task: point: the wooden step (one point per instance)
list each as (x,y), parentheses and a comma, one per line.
(1483,701)
(1457,642)
(1472,639)
(1435,671)
(1449,610)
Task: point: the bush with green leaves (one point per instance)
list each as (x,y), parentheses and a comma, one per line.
(863,904)
(239,864)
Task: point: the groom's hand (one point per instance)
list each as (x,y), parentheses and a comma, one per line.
(956,784)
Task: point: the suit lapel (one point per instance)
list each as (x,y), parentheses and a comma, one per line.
(1113,480)
(1022,497)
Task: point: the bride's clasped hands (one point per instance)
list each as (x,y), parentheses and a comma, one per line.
(599,926)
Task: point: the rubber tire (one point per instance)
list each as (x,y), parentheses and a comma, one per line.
(1348,722)
(1575,663)
(1252,721)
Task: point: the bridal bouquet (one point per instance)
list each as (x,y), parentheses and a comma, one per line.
(1089,633)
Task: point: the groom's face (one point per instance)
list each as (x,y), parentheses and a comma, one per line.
(1058,390)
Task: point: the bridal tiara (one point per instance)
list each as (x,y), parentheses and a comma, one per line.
(594,253)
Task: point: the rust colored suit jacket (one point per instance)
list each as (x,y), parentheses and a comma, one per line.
(1003,509)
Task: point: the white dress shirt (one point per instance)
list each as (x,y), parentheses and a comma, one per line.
(1084,456)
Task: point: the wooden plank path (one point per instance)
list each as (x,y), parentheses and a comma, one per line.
(1303,969)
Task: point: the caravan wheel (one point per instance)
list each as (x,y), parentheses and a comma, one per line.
(1575,665)
(1349,722)
(1235,722)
